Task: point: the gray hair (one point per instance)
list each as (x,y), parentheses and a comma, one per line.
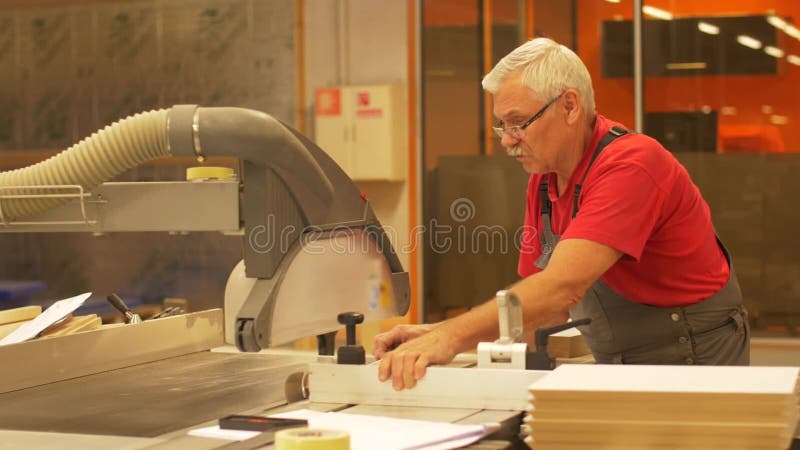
(548,68)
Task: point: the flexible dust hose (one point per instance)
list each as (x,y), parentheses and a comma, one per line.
(98,158)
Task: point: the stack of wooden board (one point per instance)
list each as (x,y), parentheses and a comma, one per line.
(663,407)
(567,344)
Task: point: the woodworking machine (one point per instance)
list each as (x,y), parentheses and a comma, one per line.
(312,244)
(313,248)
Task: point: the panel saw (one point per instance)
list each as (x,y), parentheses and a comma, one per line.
(312,249)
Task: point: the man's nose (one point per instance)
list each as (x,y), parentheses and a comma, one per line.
(508,140)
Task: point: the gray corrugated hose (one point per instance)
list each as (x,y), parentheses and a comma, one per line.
(98,158)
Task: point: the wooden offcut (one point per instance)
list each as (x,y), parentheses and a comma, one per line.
(567,344)
(19,314)
(73,325)
(9,328)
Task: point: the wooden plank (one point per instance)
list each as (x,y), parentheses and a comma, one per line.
(19,314)
(45,361)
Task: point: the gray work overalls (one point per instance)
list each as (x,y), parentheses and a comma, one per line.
(714,331)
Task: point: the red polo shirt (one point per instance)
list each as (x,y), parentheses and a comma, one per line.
(638,199)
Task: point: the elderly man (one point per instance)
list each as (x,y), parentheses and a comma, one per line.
(624,236)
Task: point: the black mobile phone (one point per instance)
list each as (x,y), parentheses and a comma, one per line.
(258,423)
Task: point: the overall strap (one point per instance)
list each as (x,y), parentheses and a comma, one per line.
(612,134)
(544,197)
(546,210)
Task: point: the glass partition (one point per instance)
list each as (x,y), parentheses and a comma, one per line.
(719,90)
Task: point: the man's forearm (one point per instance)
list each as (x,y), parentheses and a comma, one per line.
(476,325)
(545,302)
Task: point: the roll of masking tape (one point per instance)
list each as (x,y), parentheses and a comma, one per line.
(209,173)
(311,439)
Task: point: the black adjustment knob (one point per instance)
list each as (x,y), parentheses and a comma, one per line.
(350,353)
(350,320)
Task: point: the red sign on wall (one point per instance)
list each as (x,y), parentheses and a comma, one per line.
(371,113)
(328,102)
(362,99)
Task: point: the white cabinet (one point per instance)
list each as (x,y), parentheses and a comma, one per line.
(363,128)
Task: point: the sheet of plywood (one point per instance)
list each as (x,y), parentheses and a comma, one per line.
(675,434)
(546,445)
(582,380)
(676,430)
(19,314)
(655,408)
(44,361)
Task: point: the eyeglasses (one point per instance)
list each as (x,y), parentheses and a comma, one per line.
(518,131)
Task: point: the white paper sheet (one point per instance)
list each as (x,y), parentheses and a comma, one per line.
(216,432)
(53,314)
(371,432)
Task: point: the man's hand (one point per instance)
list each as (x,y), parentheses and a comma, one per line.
(389,340)
(421,346)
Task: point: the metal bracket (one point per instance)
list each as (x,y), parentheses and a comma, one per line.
(509,350)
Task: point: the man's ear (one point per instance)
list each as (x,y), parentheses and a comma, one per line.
(572,106)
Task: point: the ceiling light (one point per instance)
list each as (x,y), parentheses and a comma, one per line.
(776,22)
(794,59)
(773,51)
(687,66)
(792,31)
(778,120)
(707,28)
(748,41)
(613,1)
(657,13)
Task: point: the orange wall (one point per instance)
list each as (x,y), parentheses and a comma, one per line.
(466,12)
(745,93)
